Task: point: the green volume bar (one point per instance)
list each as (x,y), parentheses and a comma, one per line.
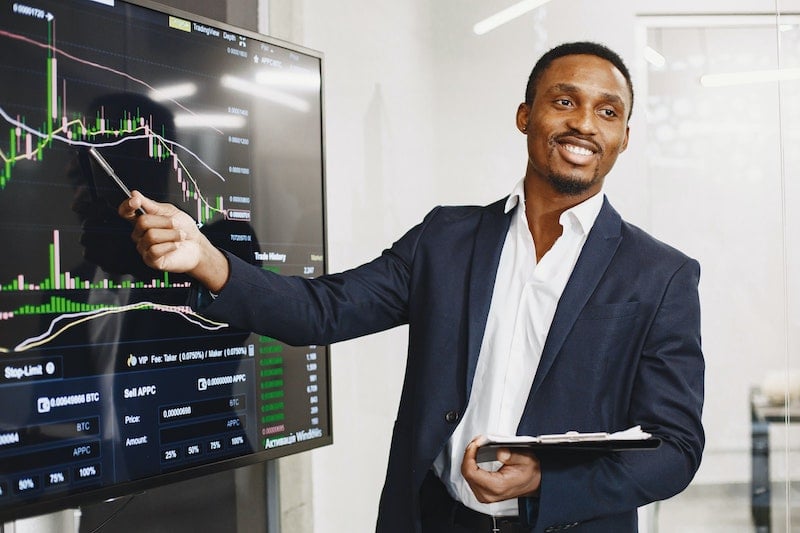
(59,305)
(50,87)
(12,149)
(49,283)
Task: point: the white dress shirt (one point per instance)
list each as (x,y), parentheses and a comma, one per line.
(524,300)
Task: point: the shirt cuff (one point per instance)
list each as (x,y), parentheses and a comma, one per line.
(204,298)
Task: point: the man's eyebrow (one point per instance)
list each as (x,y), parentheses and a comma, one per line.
(565,87)
(573,89)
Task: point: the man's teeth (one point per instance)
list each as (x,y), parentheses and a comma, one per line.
(577,149)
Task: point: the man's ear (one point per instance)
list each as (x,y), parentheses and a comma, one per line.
(625,142)
(523,112)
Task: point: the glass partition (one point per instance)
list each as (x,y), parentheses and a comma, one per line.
(720,95)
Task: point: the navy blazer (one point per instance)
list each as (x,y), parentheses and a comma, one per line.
(623,349)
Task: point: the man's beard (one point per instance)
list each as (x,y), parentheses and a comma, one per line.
(571,186)
(566,183)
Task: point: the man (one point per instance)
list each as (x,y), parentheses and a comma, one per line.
(541,313)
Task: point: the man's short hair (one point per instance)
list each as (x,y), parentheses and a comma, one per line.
(571,49)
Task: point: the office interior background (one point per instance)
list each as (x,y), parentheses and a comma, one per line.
(419,111)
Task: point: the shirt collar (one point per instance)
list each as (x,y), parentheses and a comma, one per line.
(585,213)
(516,197)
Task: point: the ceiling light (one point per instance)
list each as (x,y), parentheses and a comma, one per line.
(209,120)
(653,57)
(506,15)
(299,79)
(260,91)
(753,76)
(173,92)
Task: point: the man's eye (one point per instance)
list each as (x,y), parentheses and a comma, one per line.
(609,113)
(564,101)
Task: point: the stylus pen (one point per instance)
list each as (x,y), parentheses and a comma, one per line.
(110,171)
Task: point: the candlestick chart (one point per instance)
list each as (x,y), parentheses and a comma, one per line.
(170,128)
(49,118)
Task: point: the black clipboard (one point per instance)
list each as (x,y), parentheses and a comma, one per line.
(571,442)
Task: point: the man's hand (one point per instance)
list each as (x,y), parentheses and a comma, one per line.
(519,476)
(168,239)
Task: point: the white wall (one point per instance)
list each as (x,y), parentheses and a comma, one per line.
(380,182)
(420,111)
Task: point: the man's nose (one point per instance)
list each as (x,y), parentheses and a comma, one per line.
(583,120)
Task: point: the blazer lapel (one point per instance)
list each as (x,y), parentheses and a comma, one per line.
(600,246)
(489,242)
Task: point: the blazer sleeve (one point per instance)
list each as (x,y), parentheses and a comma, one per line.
(666,399)
(301,311)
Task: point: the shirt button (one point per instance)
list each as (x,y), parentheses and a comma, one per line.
(451,416)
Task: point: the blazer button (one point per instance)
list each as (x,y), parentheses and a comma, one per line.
(451,416)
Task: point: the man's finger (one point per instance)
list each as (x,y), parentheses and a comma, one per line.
(470,461)
(138,204)
(504,455)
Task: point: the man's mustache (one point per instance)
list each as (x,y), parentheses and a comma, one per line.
(584,140)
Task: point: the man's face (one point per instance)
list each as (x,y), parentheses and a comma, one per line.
(577,124)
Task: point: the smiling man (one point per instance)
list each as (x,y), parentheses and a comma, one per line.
(577,128)
(541,313)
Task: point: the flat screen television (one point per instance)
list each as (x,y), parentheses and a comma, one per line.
(109,382)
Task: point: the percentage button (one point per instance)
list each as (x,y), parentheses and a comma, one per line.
(56,478)
(87,472)
(27,484)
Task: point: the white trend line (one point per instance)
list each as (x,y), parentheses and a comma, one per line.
(84,316)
